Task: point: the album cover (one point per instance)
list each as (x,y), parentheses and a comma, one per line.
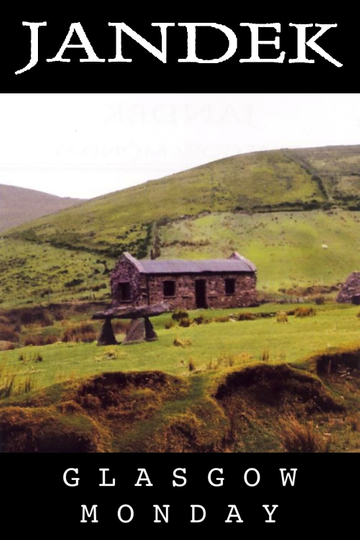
(180,273)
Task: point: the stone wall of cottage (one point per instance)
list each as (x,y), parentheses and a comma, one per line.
(149,289)
(126,271)
(216,297)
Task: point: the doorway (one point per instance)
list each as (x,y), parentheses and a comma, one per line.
(200,293)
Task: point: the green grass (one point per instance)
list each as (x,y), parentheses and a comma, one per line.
(285,246)
(214,346)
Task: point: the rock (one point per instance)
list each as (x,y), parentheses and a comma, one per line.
(107,336)
(150,334)
(136,332)
(133,312)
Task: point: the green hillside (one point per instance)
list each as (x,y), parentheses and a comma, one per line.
(277,208)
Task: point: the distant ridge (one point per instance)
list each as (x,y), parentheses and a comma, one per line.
(20,205)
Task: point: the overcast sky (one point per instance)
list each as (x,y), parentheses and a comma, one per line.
(84,145)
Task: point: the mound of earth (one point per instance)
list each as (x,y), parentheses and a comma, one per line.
(47,430)
(277,386)
(88,415)
(338,362)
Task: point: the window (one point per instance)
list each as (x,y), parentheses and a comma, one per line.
(124,292)
(229,286)
(169,288)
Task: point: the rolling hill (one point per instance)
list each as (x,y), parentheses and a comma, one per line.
(295,213)
(20,205)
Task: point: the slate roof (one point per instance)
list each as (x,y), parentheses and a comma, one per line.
(177,266)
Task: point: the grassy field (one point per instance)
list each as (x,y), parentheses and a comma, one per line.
(285,246)
(212,345)
(141,397)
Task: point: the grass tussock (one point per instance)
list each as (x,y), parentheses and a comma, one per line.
(300,437)
(222,319)
(281,317)
(185,322)
(83,332)
(182,342)
(305,312)
(40,340)
(179,314)
(246,316)
(7,346)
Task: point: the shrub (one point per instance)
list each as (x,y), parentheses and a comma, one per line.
(32,316)
(97,288)
(296,437)
(201,319)
(222,318)
(184,322)
(246,316)
(7,345)
(84,333)
(169,324)
(179,314)
(7,333)
(74,283)
(40,340)
(319,300)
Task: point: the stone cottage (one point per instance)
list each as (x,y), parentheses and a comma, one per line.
(350,291)
(188,284)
